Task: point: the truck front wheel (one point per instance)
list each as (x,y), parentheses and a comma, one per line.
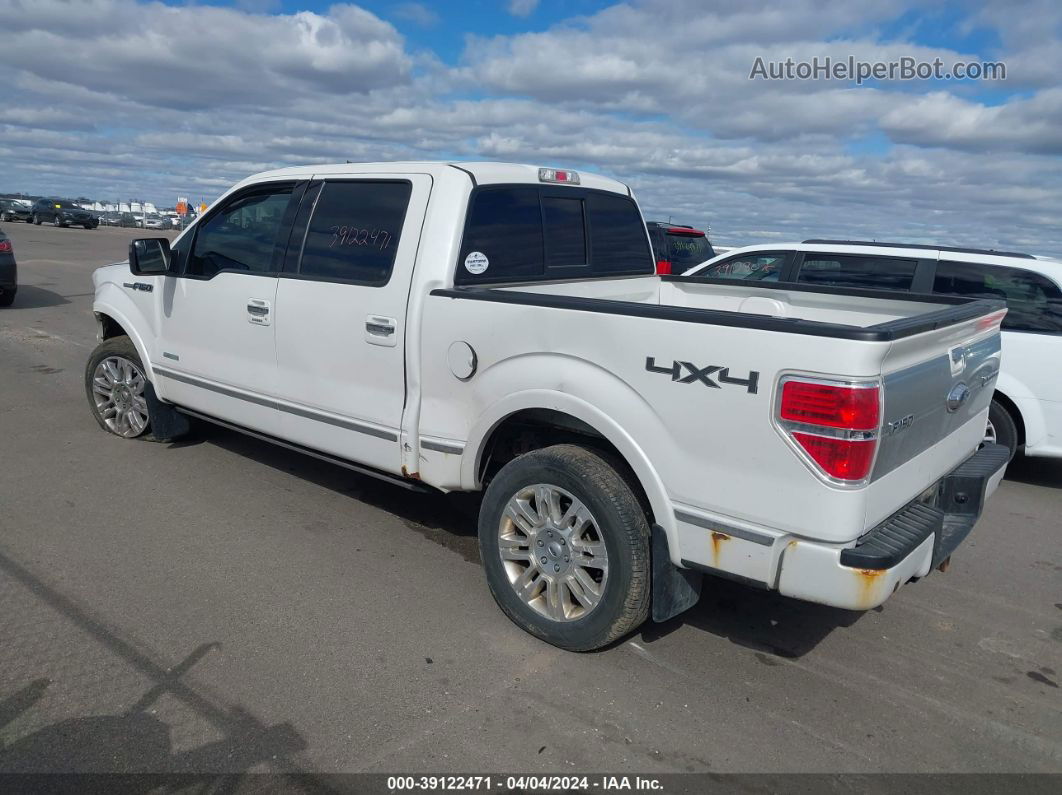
(565,547)
(115,383)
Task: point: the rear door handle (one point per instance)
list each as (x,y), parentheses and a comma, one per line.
(258,311)
(381,331)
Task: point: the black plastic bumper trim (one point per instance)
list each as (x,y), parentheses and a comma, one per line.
(960,499)
(895,538)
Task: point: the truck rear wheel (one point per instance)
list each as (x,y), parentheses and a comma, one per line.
(1001,427)
(565,547)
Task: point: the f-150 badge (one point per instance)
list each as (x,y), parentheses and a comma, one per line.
(688,373)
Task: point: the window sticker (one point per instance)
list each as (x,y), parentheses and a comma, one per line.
(476,262)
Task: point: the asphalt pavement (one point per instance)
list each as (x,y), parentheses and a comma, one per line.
(224,605)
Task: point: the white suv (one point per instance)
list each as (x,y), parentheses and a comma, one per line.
(1027,409)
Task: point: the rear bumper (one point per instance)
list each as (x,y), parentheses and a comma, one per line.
(909,544)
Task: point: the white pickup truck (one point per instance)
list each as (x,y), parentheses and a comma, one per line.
(499,328)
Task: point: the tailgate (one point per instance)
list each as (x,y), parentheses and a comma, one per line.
(937,387)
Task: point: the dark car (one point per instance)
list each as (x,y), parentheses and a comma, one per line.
(63,213)
(8,271)
(678,248)
(11,210)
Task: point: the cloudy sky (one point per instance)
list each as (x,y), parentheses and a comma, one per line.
(118,99)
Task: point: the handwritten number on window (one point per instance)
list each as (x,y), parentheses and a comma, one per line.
(359,236)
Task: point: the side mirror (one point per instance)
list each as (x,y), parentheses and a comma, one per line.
(149,256)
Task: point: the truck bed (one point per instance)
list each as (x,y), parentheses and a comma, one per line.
(609,343)
(870,315)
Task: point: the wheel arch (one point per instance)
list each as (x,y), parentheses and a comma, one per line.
(1014,412)
(555,418)
(112,322)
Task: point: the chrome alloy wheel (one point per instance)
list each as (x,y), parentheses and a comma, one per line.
(553,552)
(118,392)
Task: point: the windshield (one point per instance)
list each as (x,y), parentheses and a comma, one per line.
(688,250)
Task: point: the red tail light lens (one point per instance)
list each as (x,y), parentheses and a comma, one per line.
(834,406)
(663,267)
(843,459)
(834,425)
(5,246)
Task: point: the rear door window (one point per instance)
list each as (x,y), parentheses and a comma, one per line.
(354,231)
(1034,302)
(843,270)
(760,266)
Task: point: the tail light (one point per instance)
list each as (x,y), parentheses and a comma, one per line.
(663,267)
(5,246)
(834,425)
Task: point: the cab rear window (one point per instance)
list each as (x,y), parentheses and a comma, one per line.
(535,233)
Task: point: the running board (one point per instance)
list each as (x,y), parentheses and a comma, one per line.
(412,485)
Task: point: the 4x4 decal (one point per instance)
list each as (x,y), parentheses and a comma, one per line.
(705,375)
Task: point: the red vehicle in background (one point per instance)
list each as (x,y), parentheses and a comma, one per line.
(677,248)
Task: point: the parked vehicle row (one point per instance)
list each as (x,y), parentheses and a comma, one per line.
(1026,409)
(13,210)
(60,212)
(630,433)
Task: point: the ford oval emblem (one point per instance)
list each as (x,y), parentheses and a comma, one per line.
(957,396)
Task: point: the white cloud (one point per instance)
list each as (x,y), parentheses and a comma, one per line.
(201,56)
(522,8)
(417,13)
(115,98)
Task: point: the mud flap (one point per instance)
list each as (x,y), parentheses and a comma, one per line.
(167,424)
(675,590)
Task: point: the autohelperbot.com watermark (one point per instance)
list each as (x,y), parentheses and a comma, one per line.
(859,71)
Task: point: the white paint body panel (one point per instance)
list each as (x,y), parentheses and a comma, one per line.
(326,362)
(1031,376)
(313,377)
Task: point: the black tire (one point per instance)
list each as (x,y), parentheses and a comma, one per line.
(622,526)
(57,221)
(7,297)
(1006,429)
(121,347)
(36,220)
(165,423)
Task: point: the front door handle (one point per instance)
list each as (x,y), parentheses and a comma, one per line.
(381,331)
(258,311)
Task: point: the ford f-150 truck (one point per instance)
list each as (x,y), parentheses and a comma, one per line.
(499,328)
